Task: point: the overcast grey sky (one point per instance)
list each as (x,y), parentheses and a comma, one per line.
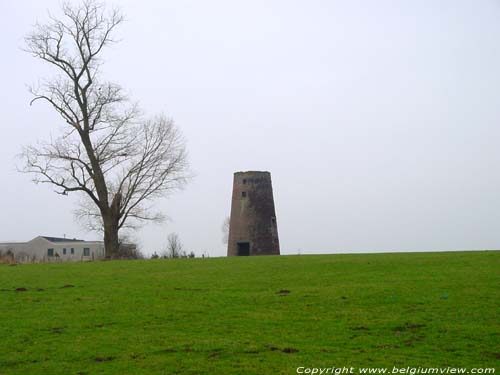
(378,120)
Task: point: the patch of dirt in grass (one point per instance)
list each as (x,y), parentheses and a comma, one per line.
(360,328)
(67,286)
(408,327)
(21,290)
(214,355)
(251,352)
(413,340)
(137,356)
(283,350)
(39,289)
(104,359)
(387,346)
(170,350)
(57,330)
(18,363)
(10,363)
(167,350)
(100,325)
(283,292)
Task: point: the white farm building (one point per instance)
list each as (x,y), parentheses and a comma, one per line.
(53,249)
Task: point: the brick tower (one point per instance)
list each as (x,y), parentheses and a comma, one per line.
(252,227)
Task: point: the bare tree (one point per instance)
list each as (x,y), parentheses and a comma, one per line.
(225,230)
(108,151)
(174,246)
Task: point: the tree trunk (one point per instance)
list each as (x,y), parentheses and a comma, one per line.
(111,237)
(111,221)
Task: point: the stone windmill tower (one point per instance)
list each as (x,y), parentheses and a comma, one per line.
(252,227)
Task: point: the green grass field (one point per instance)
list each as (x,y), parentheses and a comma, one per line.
(251,315)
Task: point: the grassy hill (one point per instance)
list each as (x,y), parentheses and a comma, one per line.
(265,315)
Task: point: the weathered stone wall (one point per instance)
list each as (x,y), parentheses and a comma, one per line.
(253,217)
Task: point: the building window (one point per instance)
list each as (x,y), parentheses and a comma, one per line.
(72,250)
(64,251)
(86,252)
(243,194)
(50,252)
(273,220)
(244,181)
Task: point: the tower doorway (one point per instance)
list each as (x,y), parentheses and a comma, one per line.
(243,248)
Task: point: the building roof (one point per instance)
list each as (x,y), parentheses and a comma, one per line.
(59,239)
(53,240)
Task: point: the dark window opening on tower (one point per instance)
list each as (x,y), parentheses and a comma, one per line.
(244,181)
(273,220)
(243,194)
(243,248)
